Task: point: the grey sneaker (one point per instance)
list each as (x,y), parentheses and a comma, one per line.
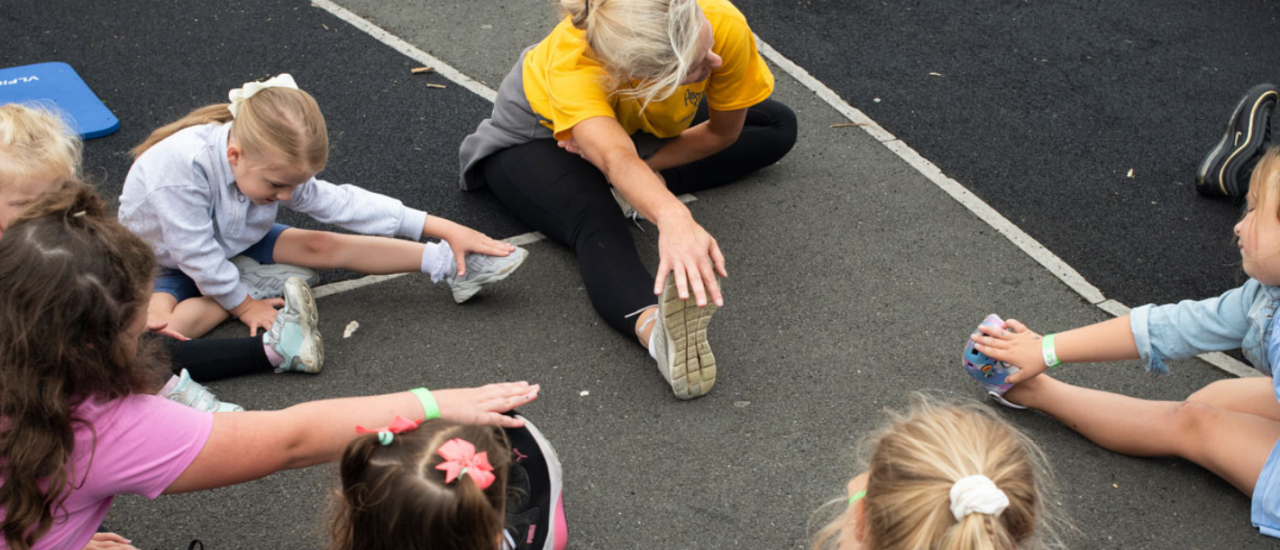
(267,280)
(294,334)
(182,389)
(680,343)
(481,271)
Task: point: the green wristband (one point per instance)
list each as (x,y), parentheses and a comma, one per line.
(1050,353)
(856,496)
(429,405)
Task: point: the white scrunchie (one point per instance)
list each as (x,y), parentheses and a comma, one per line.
(977,494)
(247,91)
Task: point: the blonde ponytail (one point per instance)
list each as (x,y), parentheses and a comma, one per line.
(276,123)
(651,42)
(918,457)
(219,113)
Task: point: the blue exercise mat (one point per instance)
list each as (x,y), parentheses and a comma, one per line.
(58,83)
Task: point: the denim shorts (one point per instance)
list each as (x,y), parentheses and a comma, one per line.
(177,284)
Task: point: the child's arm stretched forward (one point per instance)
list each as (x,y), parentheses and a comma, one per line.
(369,213)
(244,446)
(1017,345)
(1151,333)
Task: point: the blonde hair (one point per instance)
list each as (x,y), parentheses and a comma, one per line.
(279,123)
(35,142)
(654,42)
(917,457)
(1265,181)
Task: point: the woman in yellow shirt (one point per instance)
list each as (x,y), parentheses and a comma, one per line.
(641,100)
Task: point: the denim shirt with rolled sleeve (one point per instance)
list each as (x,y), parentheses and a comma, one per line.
(181,197)
(1240,318)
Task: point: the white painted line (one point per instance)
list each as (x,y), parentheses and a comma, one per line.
(1060,269)
(1113,307)
(343,286)
(986,213)
(408,49)
(826,94)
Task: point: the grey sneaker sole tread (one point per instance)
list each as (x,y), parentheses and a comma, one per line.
(691,367)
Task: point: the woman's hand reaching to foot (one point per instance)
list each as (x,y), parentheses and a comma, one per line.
(692,256)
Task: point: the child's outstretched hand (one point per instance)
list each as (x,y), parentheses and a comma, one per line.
(464,240)
(109,541)
(485,405)
(257,313)
(1016,345)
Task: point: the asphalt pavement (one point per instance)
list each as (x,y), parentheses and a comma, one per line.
(853,282)
(1044,109)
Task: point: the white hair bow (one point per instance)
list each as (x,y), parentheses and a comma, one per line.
(239,95)
(977,494)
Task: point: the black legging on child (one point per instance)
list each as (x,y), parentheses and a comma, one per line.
(217,358)
(568,199)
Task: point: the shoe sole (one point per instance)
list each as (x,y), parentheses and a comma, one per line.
(690,365)
(466,290)
(298,297)
(1238,143)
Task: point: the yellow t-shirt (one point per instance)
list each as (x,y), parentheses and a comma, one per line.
(564,86)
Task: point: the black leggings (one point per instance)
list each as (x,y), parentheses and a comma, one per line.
(568,199)
(217,358)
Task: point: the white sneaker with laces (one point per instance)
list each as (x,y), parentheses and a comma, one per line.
(482,270)
(295,334)
(267,280)
(182,389)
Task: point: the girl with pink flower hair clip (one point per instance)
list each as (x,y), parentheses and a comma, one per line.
(444,485)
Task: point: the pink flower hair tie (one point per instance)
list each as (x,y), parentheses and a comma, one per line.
(460,458)
(399,425)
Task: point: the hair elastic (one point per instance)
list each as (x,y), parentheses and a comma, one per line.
(979,494)
(239,95)
(386,434)
(857,496)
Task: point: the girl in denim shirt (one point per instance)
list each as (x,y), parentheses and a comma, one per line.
(1230,427)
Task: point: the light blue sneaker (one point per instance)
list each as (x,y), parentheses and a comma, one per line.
(482,270)
(267,280)
(987,371)
(182,389)
(294,335)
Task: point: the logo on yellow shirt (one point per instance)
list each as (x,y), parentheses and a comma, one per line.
(693,98)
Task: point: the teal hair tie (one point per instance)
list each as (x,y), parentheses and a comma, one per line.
(385,437)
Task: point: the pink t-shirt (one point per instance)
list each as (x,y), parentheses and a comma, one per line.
(144,443)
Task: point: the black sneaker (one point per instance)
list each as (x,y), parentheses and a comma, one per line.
(533,492)
(1225,171)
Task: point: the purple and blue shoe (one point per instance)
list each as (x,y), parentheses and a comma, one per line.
(987,371)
